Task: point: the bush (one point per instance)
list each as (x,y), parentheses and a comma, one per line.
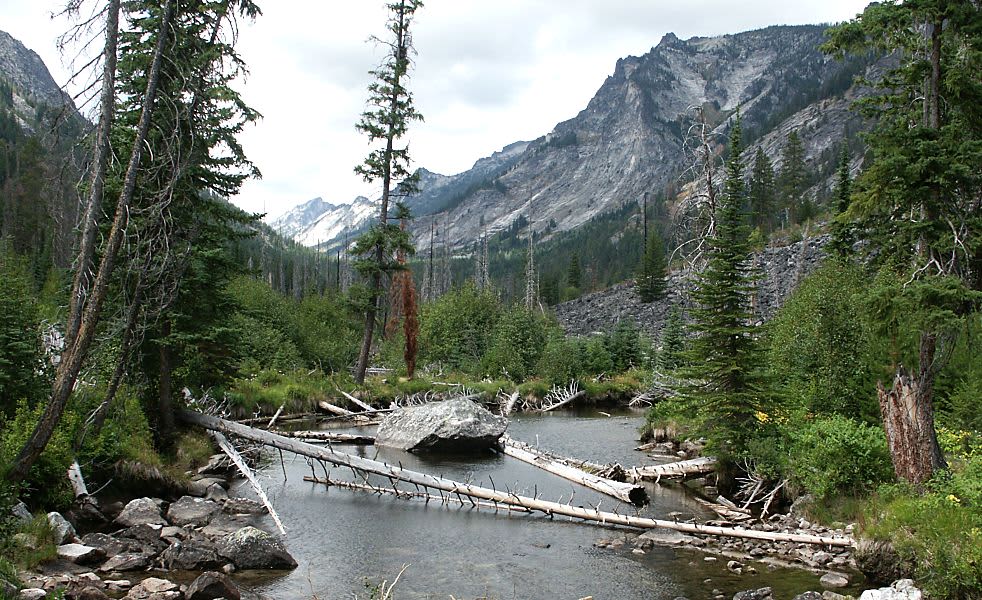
(46,481)
(457,328)
(20,349)
(517,344)
(596,357)
(837,455)
(624,345)
(937,535)
(562,360)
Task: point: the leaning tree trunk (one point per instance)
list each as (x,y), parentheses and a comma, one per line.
(908,419)
(78,348)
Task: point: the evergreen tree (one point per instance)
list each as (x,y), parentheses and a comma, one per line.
(573,273)
(762,204)
(651,281)
(793,176)
(672,341)
(386,122)
(726,390)
(842,231)
(919,200)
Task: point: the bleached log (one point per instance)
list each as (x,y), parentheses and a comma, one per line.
(236,458)
(509,404)
(332,408)
(481,493)
(289,417)
(357,402)
(330,437)
(565,401)
(682,468)
(725,511)
(275,416)
(448,499)
(626,492)
(77,481)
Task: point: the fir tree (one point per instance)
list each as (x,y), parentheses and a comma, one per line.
(842,233)
(725,389)
(793,175)
(762,203)
(672,341)
(651,281)
(573,273)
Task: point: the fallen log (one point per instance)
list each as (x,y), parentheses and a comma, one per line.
(682,468)
(627,492)
(275,416)
(357,402)
(330,437)
(565,401)
(448,499)
(481,493)
(236,458)
(290,417)
(509,404)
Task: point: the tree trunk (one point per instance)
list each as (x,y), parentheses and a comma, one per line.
(908,420)
(165,403)
(78,348)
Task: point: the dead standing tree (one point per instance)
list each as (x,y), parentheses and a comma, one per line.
(695,219)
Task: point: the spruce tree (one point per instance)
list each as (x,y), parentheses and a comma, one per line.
(726,391)
(793,176)
(672,340)
(574,273)
(651,281)
(762,203)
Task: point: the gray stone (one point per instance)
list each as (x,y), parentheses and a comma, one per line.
(666,537)
(191,511)
(63,530)
(110,545)
(89,592)
(808,596)
(902,589)
(153,588)
(244,506)
(32,594)
(251,548)
(452,425)
(118,585)
(141,511)
(216,492)
(764,593)
(190,557)
(21,513)
(212,586)
(127,561)
(834,580)
(80,554)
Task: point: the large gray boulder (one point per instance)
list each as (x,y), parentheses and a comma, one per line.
(81,554)
(452,425)
(190,556)
(902,589)
(61,528)
(212,586)
(141,511)
(251,548)
(191,511)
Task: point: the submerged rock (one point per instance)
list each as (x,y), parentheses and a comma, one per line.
(211,586)
(251,548)
(452,425)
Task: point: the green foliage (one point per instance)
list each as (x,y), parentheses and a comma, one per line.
(457,328)
(562,360)
(20,351)
(46,483)
(837,455)
(793,179)
(842,230)
(30,544)
(596,357)
(761,198)
(516,344)
(651,280)
(267,390)
(822,355)
(573,273)
(625,346)
(937,534)
(672,351)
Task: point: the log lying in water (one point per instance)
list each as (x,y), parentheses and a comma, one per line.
(682,468)
(236,458)
(330,437)
(481,493)
(357,402)
(627,492)
(409,494)
(290,417)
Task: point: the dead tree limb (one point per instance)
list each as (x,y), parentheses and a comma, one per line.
(236,458)
(682,468)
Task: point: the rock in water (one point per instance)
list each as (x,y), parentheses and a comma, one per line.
(453,425)
(211,586)
(902,589)
(251,548)
(191,511)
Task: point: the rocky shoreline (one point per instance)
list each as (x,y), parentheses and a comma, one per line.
(151,549)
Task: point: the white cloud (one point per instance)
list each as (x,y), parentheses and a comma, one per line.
(487,74)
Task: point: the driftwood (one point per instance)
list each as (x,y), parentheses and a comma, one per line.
(407,494)
(77,481)
(275,416)
(290,417)
(329,437)
(727,512)
(357,402)
(509,404)
(627,492)
(236,458)
(558,396)
(682,468)
(396,473)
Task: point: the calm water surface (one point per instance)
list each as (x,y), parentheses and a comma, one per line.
(345,539)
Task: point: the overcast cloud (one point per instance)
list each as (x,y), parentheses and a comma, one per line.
(486,74)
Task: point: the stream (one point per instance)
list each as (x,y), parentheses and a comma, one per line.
(347,541)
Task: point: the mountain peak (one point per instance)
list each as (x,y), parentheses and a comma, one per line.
(24,69)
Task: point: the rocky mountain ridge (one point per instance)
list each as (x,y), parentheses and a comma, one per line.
(631,137)
(30,80)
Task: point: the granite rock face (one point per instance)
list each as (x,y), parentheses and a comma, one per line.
(453,425)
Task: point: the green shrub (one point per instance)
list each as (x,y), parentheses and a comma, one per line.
(562,360)
(456,330)
(837,455)
(517,344)
(46,482)
(596,357)
(938,534)
(625,347)
(20,348)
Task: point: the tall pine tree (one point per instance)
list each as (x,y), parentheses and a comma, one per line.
(793,177)
(725,388)
(841,229)
(651,281)
(762,204)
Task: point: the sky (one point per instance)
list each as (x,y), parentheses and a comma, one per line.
(486,74)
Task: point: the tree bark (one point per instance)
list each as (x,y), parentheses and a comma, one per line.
(100,162)
(908,420)
(78,348)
